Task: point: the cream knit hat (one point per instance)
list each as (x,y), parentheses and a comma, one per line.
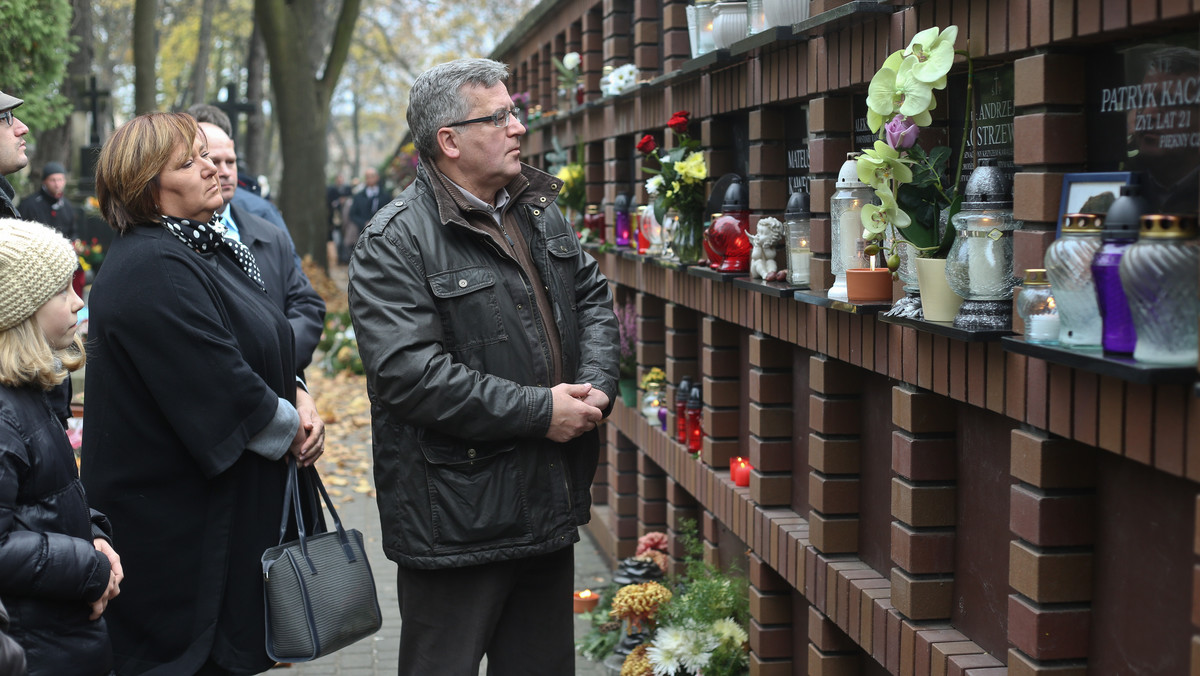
(35,263)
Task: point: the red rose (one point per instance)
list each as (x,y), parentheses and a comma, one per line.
(647,145)
(679,122)
(681,113)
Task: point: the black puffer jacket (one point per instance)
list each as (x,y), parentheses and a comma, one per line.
(12,655)
(50,571)
(458,375)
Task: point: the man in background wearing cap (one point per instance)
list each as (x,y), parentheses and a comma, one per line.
(49,205)
(12,151)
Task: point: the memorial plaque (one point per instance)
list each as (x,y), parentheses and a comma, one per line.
(992,118)
(863,138)
(1143,116)
(796,142)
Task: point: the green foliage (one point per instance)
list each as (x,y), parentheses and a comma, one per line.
(339,345)
(37,47)
(704,594)
(604,634)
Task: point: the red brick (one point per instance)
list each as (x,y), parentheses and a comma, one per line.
(921,551)
(923,459)
(1051,520)
(1048,633)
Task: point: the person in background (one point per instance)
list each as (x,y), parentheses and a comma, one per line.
(12,152)
(287,287)
(490,346)
(58,569)
(363,206)
(244,198)
(49,205)
(191,407)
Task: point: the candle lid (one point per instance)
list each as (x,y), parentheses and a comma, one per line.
(989,187)
(593,209)
(621,204)
(735,196)
(797,207)
(1035,277)
(1122,219)
(1169,226)
(1082,223)
(848,174)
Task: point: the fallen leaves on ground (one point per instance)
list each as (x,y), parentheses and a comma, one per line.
(343,405)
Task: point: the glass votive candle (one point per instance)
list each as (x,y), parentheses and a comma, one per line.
(1035,305)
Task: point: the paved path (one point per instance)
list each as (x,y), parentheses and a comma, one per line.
(377,655)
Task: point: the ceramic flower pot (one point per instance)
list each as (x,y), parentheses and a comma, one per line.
(864,285)
(628,389)
(938,302)
(785,12)
(730,23)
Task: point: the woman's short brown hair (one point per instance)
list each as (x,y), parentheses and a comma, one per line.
(131,162)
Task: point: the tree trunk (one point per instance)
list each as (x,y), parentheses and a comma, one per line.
(302,105)
(254,150)
(145,56)
(56,143)
(199,88)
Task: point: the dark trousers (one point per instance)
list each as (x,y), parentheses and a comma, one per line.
(517,612)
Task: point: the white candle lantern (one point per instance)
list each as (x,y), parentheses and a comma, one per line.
(979,266)
(845,223)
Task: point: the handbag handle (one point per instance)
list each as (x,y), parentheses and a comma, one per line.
(291,503)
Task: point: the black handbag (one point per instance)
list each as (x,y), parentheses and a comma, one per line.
(320,594)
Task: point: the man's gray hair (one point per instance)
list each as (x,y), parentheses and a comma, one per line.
(436,99)
(204,112)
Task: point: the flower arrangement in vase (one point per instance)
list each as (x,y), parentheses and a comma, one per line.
(569,86)
(917,189)
(678,183)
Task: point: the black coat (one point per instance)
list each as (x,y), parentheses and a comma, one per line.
(187,361)
(49,569)
(458,374)
(287,286)
(7,208)
(44,209)
(362,208)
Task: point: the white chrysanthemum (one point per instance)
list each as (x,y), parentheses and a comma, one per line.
(571,60)
(698,650)
(654,184)
(728,631)
(668,647)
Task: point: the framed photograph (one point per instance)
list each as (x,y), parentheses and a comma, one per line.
(1090,193)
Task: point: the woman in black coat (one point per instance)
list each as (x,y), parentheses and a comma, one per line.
(57,568)
(190,408)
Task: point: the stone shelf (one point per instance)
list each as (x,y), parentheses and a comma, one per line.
(1095,360)
(948,330)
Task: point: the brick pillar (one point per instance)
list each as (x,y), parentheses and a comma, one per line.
(768,165)
(622,496)
(547,93)
(651,350)
(618,42)
(591,51)
(593,172)
(834,416)
(681,508)
(770,421)
(647,27)
(676,45)
(682,354)
(772,626)
(829,130)
(652,496)
(830,651)
(1047,145)
(923,504)
(722,369)
(616,179)
(1050,559)
(716,142)
(709,527)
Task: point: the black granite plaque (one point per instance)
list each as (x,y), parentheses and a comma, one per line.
(1143,116)
(796,140)
(991,133)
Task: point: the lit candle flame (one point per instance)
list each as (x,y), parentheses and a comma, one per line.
(586,593)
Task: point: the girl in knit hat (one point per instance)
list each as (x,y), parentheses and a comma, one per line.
(58,569)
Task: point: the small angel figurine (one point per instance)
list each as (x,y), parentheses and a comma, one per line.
(762,256)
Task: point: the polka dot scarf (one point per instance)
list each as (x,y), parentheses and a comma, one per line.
(206,237)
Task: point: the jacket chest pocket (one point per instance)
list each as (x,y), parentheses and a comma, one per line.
(467,304)
(564,255)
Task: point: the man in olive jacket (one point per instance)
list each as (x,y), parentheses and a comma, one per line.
(490,348)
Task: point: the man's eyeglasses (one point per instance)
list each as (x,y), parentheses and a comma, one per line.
(7,116)
(498,119)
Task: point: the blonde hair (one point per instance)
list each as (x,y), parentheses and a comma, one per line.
(26,357)
(131,161)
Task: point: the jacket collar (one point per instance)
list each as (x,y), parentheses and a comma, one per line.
(527,188)
(7,193)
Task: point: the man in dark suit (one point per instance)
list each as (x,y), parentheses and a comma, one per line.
(362,207)
(49,205)
(287,286)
